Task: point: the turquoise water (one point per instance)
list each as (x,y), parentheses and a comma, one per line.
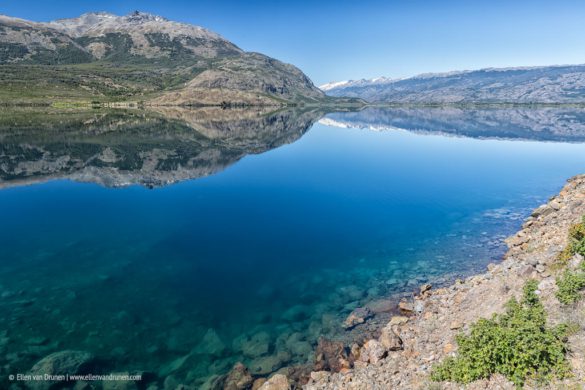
(254,262)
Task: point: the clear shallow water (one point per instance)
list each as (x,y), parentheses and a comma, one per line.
(255,262)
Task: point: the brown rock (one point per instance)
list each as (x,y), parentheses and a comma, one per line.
(390,340)
(398,320)
(276,382)
(372,352)
(448,348)
(358,316)
(425,289)
(455,325)
(406,306)
(239,378)
(258,383)
(330,355)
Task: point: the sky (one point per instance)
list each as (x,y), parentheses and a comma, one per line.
(341,40)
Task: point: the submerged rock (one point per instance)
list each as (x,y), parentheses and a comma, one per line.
(256,346)
(358,316)
(60,363)
(211,344)
(267,364)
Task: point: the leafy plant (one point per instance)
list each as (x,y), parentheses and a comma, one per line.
(570,285)
(576,243)
(517,344)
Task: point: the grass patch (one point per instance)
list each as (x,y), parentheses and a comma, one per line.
(517,344)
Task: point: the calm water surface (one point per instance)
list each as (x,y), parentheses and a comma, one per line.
(256,259)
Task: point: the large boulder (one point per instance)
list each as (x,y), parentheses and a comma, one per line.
(276,382)
(390,340)
(372,352)
(60,364)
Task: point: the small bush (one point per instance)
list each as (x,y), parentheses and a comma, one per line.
(576,243)
(516,344)
(570,286)
(571,283)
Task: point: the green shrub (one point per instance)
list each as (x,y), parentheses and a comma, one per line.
(570,286)
(576,243)
(516,344)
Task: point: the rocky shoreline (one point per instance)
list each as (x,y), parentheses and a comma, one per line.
(403,354)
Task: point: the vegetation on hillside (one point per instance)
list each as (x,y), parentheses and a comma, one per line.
(571,283)
(517,344)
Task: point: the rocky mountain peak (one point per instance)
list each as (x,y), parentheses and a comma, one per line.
(141,17)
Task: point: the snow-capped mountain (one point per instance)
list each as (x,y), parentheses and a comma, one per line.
(550,84)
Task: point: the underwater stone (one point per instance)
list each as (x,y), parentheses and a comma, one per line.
(358,316)
(257,346)
(381,306)
(267,364)
(60,363)
(211,344)
(296,313)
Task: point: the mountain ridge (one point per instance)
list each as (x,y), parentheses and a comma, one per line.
(100,56)
(527,84)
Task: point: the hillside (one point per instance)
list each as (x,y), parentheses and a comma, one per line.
(552,84)
(139,57)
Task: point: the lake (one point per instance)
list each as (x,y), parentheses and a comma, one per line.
(180,242)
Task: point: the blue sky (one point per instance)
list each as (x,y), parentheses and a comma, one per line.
(339,40)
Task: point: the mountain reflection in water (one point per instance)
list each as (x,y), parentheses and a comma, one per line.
(118,148)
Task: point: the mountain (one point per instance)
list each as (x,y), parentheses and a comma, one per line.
(551,84)
(139,57)
(554,124)
(117,148)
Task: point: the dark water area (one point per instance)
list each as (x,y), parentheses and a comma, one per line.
(179,243)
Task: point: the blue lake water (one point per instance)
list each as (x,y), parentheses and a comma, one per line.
(264,253)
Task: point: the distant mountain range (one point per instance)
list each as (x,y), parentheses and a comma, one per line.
(550,124)
(550,84)
(105,57)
